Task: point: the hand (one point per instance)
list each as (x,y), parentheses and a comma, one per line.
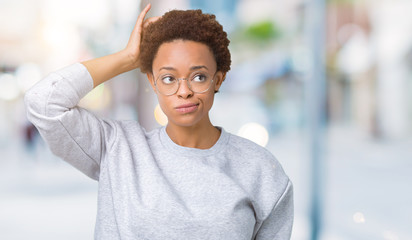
(133,46)
(104,68)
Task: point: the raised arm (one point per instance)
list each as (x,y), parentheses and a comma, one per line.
(104,68)
(73,133)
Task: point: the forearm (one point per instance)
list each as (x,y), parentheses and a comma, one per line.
(104,68)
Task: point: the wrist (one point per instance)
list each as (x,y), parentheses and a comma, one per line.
(131,60)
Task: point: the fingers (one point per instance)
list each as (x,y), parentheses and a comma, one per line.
(150,20)
(133,46)
(142,15)
(135,36)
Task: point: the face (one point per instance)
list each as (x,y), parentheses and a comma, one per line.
(188,60)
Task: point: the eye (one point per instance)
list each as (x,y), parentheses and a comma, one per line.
(199,78)
(168,80)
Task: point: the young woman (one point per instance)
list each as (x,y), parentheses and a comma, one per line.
(188,180)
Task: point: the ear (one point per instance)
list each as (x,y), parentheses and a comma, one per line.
(219,78)
(151,80)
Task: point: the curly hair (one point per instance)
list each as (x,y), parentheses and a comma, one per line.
(186,25)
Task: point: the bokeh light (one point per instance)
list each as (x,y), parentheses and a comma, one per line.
(358,217)
(254,132)
(389,235)
(9,90)
(27,75)
(160,117)
(98,99)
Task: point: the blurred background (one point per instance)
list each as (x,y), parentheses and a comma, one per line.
(326,86)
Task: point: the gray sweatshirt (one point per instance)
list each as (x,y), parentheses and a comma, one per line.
(152,188)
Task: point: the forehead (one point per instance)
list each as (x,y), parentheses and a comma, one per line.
(182,55)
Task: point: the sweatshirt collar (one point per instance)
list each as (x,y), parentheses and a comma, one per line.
(187,151)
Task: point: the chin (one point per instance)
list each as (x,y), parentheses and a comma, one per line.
(186,120)
(185,123)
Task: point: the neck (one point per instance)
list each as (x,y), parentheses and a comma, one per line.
(201,136)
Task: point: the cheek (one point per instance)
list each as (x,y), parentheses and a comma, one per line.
(209,101)
(164,104)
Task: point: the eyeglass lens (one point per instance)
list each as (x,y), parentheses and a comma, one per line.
(198,82)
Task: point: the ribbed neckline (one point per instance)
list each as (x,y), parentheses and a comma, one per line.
(187,151)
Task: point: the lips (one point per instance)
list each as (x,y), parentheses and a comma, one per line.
(187,108)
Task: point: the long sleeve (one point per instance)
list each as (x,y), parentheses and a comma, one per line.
(278,225)
(72,133)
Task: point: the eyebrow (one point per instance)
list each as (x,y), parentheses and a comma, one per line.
(198,67)
(191,68)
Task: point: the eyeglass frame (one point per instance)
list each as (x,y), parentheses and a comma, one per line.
(188,85)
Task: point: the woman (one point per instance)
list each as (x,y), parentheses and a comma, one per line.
(188,180)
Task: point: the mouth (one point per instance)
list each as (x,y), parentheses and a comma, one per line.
(187,108)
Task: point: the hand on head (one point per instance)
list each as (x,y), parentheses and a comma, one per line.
(104,68)
(133,45)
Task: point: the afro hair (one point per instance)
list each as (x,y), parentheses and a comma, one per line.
(186,25)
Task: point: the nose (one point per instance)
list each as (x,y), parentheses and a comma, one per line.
(184,91)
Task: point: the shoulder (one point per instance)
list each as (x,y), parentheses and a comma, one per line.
(262,173)
(250,151)
(247,144)
(258,160)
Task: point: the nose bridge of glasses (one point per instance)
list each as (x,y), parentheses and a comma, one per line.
(179,86)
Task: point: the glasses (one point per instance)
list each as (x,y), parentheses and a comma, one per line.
(198,82)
